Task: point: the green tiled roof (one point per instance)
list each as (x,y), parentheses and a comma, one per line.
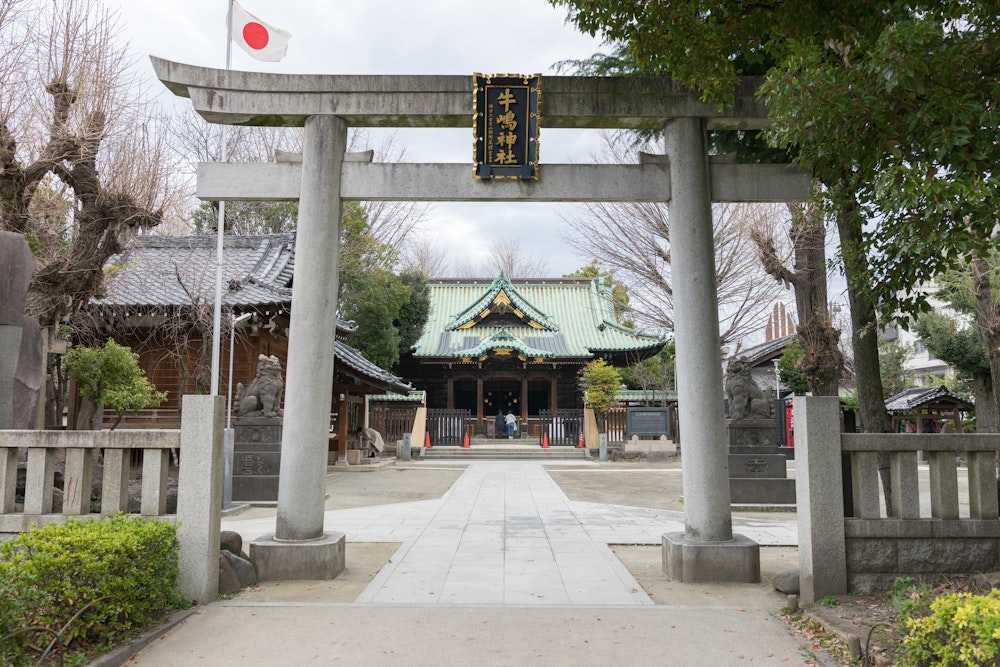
(555,318)
(502,284)
(502,340)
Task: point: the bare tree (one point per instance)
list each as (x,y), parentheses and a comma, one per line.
(179,334)
(822,361)
(505,255)
(83,164)
(426,256)
(633,239)
(195,140)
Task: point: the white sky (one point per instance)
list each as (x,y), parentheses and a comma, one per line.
(403,37)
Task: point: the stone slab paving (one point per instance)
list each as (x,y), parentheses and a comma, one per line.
(506,534)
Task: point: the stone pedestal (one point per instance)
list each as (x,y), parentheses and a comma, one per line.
(752,435)
(280,560)
(256,459)
(691,561)
(757,470)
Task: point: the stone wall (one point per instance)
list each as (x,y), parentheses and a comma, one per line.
(874,563)
(847,540)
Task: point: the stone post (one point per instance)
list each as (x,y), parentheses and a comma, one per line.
(707,550)
(199,496)
(820,494)
(299,549)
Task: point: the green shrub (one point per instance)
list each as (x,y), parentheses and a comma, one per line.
(16,598)
(126,566)
(963,629)
(110,376)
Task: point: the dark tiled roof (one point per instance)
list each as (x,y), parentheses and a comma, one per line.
(916,397)
(764,351)
(348,356)
(165,271)
(161,271)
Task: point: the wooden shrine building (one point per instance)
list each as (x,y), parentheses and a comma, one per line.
(159,299)
(927,410)
(491,346)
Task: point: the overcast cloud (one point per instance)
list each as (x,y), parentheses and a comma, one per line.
(402,37)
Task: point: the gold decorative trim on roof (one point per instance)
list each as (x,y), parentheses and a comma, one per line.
(502,305)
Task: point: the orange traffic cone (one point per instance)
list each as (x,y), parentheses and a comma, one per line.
(427,440)
(465,442)
(545,440)
(579,445)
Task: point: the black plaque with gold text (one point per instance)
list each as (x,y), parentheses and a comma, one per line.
(506,119)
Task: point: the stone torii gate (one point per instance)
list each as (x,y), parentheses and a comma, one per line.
(686,178)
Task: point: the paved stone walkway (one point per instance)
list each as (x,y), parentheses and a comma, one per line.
(505,534)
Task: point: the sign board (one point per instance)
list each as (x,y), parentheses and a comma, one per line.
(506,121)
(647,422)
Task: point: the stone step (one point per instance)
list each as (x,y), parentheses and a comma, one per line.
(499,451)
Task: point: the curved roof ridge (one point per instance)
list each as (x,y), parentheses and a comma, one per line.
(503,339)
(275,253)
(502,283)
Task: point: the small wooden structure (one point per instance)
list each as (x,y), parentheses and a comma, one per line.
(927,410)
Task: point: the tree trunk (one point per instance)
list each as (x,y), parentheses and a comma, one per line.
(822,360)
(864,335)
(987,417)
(989,333)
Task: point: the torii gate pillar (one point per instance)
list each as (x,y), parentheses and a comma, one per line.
(707,550)
(299,549)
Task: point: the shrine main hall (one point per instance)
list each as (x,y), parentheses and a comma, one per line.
(517,344)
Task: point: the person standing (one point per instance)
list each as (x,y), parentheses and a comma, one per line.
(511,422)
(499,424)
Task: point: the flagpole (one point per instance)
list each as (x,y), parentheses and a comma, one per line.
(217,313)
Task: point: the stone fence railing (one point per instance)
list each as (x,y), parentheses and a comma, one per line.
(850,541)
(199,482)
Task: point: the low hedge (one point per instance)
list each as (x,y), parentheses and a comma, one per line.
(962,629)
(124,567)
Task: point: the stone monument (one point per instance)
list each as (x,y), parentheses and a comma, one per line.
(257,442)
(20,336)
(757,469)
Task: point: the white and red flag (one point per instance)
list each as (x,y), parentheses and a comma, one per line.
(261,40)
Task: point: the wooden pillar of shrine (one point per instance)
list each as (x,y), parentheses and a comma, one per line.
(524,399)
(343,417)
(479,404)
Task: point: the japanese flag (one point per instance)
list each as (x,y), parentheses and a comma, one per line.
(260,40)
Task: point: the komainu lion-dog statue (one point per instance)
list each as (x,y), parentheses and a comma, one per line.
(746,399)
(262,396)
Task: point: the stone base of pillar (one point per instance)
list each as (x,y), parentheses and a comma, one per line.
(692,562)
(281,560)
